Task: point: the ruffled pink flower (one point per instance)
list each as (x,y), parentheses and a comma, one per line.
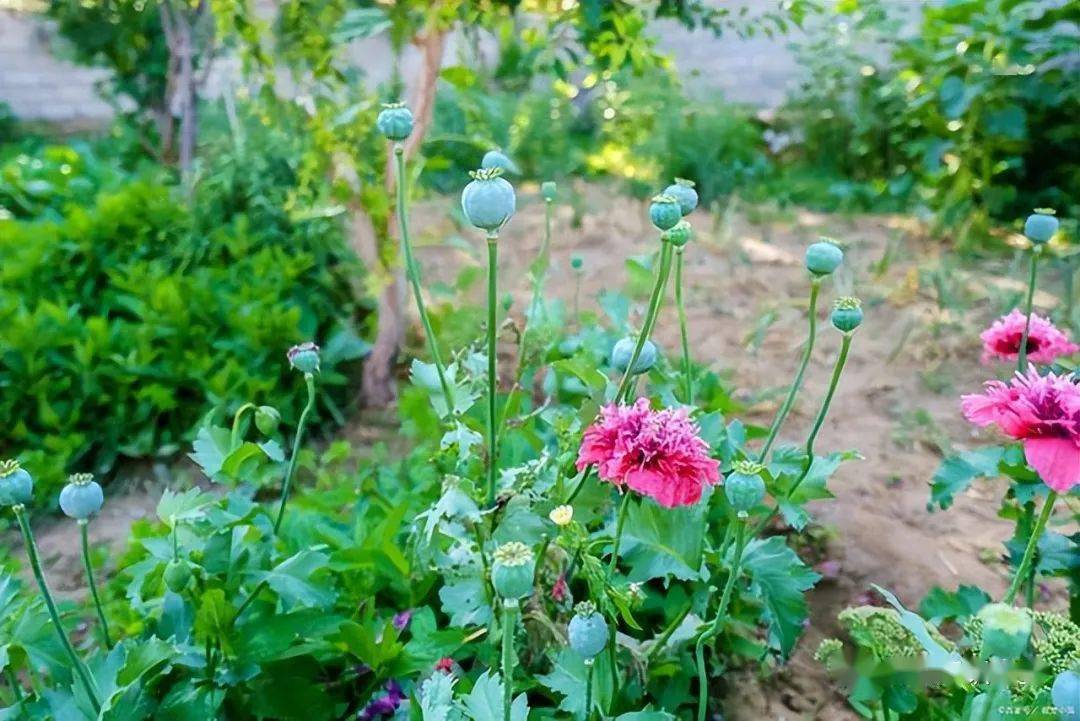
(1041,411)
(1001,341)
(656,453)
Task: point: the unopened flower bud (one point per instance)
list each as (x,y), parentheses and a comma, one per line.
(177,575)
(267,419)
(623,351)
(680,235)
(548,190)
(498,159)
(562,515)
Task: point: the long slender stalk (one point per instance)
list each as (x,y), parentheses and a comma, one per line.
(1029,302)
(35,564)
(83,535)
(412,270)
(492,365)
(1033,543)
(590,665)
(834,382)
(688,381)
(808,349)
(509,608)
(659,644)
(286,485)
(623,507)
(655,301)
(248,601)
(713,628)
(579,485)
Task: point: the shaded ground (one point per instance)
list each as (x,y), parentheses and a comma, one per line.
(898,402)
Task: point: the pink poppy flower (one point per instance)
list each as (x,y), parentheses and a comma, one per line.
(1001,341)
(656,453)
(1041,411)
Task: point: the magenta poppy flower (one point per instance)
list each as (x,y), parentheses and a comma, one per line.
(1001,341)
(656,453)
(1043,412)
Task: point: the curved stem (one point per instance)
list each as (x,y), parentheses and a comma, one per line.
(234,436)
(623,507)
(248,601)
(412,270)
(659,644)
(579,485)
(492,365)
(789,401)
(687,380)
(834,382)
(655,301)
(590,666)
(1033,543)
(83,535)
(509,609)
(286,485)
(35,564)
(1021,358)
(713,628)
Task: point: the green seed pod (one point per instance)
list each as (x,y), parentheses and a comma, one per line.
(498,159)
(81,497)
(16,485)
(587,630)
(177,575)
(823,257)
(1006,630)
(395,121)
(680,235)
(267,420)
(489,200)
(744,487)
(304,357)
(548,190)
(623,351)
(1065,695)
(664,212)
(512,570)
(1040,226)
(577,262)
(683,191)
(847,314)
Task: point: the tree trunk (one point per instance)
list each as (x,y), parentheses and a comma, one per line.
(379,386)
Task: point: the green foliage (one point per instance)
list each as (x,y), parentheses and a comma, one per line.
(967,111)
(131,317)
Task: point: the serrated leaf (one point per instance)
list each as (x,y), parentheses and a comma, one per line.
(465,603)
(211,447)
(182,506)
(567,679)
(485,701)
(436,698)
(664,542)
(292,581)
(779,579)
(956,473)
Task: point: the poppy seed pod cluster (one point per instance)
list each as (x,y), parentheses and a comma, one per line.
(395,121)
(823,257)
(1040,226)
(82,497)
(847,314)
(683,191)
(664,211)
(489,200)
(623,351)
(512,570)
(304,357)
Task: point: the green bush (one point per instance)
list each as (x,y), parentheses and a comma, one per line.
(128,319)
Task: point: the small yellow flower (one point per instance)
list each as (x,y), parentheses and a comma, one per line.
(562,515)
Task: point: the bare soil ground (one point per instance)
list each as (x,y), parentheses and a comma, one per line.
(897,404)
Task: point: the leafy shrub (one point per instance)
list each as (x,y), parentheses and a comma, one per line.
(968,111)
(130,318)
(38,182)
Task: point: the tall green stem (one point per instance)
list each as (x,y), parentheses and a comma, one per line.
(590,668)
(789,401)
(688,381)
(83,535)
(1021,358)
(412,270)
(35,563)
(1029,552)
(714,627)
(286,485)
(659,644)
(509,611)
(13,681)
(655,301)
(623,507)
(834,382)
(492,364)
